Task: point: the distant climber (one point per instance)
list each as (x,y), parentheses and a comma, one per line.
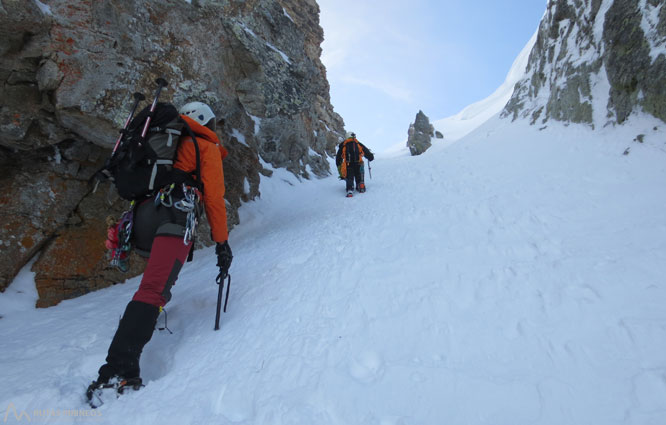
(350,163)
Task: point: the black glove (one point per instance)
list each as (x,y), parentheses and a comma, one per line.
(224,257)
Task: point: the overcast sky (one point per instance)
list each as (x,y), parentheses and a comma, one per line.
(388,59)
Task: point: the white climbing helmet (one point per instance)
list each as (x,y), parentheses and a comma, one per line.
(199,112)
(350,135)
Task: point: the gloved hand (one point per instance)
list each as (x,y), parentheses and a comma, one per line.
(224,257)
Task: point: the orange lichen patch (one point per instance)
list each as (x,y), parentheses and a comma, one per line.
(79,10)
(62,42)
(27,242)
(72,74)
(78,252)
(13,224)
(48,296)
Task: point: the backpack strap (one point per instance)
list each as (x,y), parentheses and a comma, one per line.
(197,171)
(360,151)
(171,132)
(153,174)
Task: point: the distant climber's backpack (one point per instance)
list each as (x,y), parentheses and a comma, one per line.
(351,152)
(142,166)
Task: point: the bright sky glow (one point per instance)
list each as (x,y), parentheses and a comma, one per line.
(388,59)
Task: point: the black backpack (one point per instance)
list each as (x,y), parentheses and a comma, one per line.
(141,166)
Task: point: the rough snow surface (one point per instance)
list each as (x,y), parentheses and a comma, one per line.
(600,95)
(248,30)
(515,277)
(257,124)
(649,24)
(239,136)
(280,52)
(45,9)
(284,11)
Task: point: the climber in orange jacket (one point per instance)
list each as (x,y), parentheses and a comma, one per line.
(158,233)
(349,160)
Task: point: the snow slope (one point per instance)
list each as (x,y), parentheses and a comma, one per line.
(515,277)
(455,127)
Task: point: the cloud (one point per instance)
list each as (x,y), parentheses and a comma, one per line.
(390,88)
(342,33)
(366,44)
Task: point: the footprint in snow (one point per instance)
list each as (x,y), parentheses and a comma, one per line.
(649,388)
(299,259)
(158,355)
(234,405)
(367,367)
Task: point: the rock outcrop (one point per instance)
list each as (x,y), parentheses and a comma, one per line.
(420,134)
(68,70)
(595,62)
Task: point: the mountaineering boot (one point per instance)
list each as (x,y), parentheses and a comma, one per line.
(100,391)
(121,371)
(134,331)
(350,194)
(361,187)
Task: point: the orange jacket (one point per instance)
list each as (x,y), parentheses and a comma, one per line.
(349,152)
(212,175)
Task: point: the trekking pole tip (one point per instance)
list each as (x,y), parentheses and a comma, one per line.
(161,82)
(139,96)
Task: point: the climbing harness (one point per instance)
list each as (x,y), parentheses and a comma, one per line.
(188,204)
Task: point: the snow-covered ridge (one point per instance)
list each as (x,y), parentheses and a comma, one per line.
(471,117)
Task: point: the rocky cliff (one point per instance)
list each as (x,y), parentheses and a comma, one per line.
(595,62)
(68,70)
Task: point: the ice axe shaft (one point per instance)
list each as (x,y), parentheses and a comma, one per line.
(161,83)
(138,97)
(220,289)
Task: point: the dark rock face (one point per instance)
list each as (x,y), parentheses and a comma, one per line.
(595,62)
(420,134)
(68,70)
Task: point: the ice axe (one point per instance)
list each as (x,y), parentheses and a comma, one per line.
(220,283)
